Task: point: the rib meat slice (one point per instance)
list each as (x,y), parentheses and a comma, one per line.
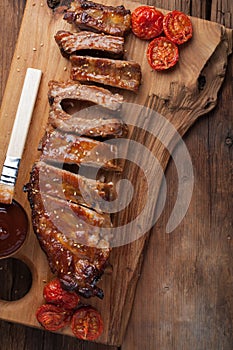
(66,148)
(59,91)
(65,185)
(84,42)
(117,73)
(100,18)
(71,237)
(94,121)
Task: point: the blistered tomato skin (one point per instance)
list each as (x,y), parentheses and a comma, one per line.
(147,22)
(54,294)
(162,54)
(177,27)
(52,317)
(87,323)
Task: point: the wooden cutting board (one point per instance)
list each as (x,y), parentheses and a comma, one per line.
(181,95)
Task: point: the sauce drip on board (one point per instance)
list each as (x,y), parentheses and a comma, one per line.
(13,228)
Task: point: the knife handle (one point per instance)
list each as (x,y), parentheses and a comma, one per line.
(24,113)
(19,134)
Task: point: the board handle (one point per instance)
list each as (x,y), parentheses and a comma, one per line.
(19,134)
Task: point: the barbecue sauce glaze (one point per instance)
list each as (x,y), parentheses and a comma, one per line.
(13,228)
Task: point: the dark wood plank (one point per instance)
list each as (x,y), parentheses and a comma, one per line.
(11,15)
(184,298)
(201,9)
(222,11)
(168,5)
(14,337)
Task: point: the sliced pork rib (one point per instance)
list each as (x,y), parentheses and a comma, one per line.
(93,121)
(71,237)
(86,43)
(65,185)
(66,148)
(100,18)
(117,73)
(59,91)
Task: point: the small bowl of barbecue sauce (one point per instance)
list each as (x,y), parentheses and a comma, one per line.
(13,228)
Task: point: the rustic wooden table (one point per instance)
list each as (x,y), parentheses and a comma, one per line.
(184,298)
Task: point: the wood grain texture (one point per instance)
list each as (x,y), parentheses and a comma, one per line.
(141,337)
(221,12)
(201,9)
(16,336)
(11,13)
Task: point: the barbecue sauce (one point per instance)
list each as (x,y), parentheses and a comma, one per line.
(13,228)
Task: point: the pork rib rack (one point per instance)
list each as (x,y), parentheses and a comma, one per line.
(73,230)
(77,265)
(70,235)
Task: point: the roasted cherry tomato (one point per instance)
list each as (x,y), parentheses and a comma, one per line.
(162,53)
(53,317)
(147,22)
(87,323)
(177,27)
(53,293)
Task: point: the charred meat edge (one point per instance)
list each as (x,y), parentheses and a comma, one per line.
(85,43)
(122,74)
(100,18)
